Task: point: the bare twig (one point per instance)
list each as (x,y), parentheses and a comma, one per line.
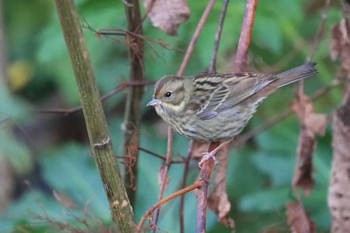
(120,87)
(212,66)
(320,31)
(164,174)
(195,37)
(149,212)
(183,184)
(240,62)
(161,157)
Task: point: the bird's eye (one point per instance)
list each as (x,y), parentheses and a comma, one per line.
(167,94)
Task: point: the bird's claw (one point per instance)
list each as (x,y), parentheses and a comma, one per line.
(206,156)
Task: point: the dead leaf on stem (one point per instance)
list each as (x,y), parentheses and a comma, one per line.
(167,14)
(298,219)
(313,124)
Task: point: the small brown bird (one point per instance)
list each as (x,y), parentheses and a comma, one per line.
(216,107)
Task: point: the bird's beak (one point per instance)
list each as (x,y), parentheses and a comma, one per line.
(154,102)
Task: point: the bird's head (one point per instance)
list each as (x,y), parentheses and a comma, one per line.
(170,94)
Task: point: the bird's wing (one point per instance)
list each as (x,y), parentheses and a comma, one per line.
(223,91)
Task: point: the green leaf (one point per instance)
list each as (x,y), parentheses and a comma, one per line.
(17,153)
(278,168)
(265,200)
(71,170)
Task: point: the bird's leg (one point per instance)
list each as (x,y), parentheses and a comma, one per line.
(211,154)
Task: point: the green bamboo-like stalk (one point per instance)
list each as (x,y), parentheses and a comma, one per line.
(101,145)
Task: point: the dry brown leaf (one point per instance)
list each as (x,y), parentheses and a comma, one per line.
(298,219)
(302,175)
(315,123)
(167,14)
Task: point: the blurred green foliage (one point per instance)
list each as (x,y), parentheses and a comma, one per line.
(259,174)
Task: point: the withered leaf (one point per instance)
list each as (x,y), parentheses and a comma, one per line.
(167,14)
(315,123)
(298,219)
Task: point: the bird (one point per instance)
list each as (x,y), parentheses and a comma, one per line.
(215,107)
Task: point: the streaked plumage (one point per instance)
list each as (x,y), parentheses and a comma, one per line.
(215,107)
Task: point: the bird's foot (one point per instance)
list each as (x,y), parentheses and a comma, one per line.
(206,156)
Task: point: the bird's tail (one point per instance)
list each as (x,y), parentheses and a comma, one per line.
(296,74)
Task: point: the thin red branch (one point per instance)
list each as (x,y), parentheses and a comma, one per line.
(165,172)
(202,194)
(240,62)
(149,212)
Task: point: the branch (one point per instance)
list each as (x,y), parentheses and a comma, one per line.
(148,213)
(212,66)
(101,145)
(195,37)
(183,184)
(134,96)
(120,87)
(202,194)
(240,62)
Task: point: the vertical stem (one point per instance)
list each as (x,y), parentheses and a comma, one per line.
(95,120)
(194,38)
(134,96)
(240,62)
(202,193)
(212,66)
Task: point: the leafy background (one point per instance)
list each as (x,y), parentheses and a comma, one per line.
(49,152)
